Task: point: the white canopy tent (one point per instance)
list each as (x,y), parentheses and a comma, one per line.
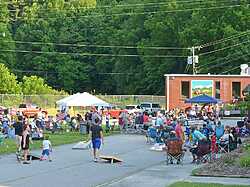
(65,99)
(83,99)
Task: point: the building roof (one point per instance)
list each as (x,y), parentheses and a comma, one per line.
(204,75)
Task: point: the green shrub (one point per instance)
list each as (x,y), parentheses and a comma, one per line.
(245,161)
(228,160)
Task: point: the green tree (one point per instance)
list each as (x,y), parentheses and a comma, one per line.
(8,82)
(34,85)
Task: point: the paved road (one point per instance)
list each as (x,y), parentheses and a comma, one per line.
(76,168)
(140,168)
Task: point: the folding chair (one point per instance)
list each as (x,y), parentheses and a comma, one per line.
(174,151)
(223,147)
(204,152)
(1,139)
(151,135)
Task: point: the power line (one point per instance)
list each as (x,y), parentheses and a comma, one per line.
(221,49)
(93,45)
(211,62)
(192,2)
(143,13)
(96,54)
(229,70)
(228,61)
(127,5)
(225,39)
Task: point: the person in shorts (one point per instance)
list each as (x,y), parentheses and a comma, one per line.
(18,132)
(47,148)
(96,135)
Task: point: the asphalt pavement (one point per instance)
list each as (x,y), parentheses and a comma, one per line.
(76,168)
(141,167)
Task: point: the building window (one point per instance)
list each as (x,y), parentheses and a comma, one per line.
(185,89)
(236,90)
(217,89)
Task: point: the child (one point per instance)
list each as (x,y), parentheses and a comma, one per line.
(47,148)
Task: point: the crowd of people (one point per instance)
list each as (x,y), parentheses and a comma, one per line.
(210,136)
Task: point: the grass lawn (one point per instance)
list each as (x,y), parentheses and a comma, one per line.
(56,139)
(189,184)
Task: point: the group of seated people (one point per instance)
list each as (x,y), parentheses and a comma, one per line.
(210,139)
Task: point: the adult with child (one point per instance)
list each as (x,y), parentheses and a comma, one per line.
(96,135)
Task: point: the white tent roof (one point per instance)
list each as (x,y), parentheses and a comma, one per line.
(84,99)
(65,99)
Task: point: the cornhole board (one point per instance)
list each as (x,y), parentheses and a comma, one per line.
(29,157)
(111,159)
(82,145)
(33,157)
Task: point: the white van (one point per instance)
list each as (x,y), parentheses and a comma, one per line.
(133,109)
(150,107)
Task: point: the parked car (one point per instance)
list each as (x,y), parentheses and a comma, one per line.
(133,109)
(29,110)
(152,108)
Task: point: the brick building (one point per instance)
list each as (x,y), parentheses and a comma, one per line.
(179,87)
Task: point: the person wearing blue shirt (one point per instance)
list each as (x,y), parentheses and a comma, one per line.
(197,138)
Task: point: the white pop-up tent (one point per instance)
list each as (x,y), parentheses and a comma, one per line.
(83,99)
(65,99)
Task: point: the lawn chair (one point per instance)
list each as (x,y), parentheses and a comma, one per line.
(204,152)
(151,135)
(223,146)
(174,151)
(1,139)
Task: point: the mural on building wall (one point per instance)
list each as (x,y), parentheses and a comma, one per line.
(200,87)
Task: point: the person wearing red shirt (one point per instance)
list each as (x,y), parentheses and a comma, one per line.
(179,131)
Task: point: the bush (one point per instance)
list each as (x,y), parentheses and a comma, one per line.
(245,161)
(228,160)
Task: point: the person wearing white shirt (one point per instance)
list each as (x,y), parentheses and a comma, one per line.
(47,149)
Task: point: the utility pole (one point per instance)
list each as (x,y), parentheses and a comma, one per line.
(193,61)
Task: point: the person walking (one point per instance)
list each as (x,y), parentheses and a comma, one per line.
(25,143)
(96,135)
(18,132)
(46,149)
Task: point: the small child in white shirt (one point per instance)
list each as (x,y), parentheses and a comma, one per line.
(47,149)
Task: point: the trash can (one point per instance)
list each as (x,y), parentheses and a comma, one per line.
(83,128)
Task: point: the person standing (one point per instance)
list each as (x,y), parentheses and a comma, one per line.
(26,142)
(47,149)
(18,132)
(96,135)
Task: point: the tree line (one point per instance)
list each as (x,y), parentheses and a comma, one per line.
(120,46)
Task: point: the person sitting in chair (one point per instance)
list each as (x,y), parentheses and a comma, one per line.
(174,147)
(197,139)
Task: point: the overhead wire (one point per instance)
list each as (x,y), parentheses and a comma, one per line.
(225,39)
(95,54)
(162,4)
(230,70)
(141,13)
(94,45)
(224,48)
(228,61)
(123,5)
